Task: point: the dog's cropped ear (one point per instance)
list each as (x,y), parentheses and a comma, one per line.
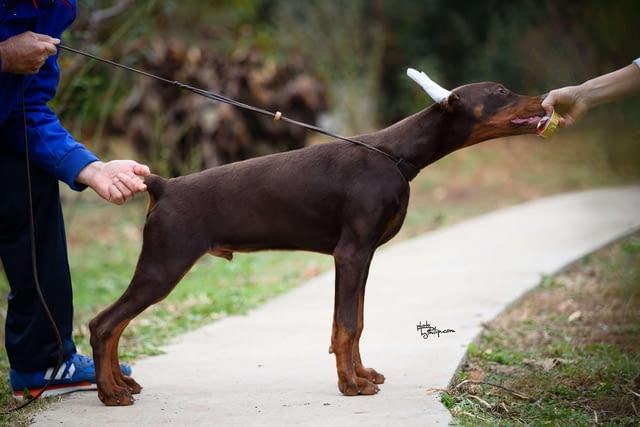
(450,102)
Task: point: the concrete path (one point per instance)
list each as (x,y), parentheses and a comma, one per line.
(271,367)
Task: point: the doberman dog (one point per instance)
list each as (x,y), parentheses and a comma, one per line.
(337,198)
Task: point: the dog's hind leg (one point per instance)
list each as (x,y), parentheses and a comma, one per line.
(159,269)
(106,330)
(119,378)
(352,266)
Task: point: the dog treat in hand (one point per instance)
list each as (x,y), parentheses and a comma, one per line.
(547,125)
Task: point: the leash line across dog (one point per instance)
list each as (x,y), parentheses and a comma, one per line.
(408,170)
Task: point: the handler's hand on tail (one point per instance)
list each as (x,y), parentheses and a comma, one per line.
(116,181)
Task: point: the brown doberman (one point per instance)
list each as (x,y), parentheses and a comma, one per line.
(339,199)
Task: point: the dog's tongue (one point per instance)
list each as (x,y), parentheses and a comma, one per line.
(529,120)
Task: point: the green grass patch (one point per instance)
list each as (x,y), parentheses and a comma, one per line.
(568,354)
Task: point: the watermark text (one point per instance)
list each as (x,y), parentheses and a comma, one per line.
(425,329)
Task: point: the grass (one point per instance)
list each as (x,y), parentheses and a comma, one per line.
(567,354)
(104,240)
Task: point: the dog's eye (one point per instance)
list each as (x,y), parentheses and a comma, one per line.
(503,91)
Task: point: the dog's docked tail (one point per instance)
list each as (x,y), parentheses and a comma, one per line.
(155,188)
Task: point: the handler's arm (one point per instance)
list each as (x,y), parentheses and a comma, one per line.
(572,102)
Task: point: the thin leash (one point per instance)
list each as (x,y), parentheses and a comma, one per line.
(408,170)
(34,269)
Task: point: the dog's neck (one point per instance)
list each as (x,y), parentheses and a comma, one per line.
(422,138)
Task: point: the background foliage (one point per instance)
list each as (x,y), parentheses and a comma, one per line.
(361,49)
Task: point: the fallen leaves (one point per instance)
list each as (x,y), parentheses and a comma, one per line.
(547,364)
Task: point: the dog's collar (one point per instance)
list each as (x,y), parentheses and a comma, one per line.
(407,169)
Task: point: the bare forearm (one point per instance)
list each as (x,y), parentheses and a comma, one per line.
(612,86)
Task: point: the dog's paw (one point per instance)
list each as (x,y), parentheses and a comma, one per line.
(348,388)
(371,374)
(376,377)
(366,387)
(361,386)
(128,383)
(119,396)
(132,385)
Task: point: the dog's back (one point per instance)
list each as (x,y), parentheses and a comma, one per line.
(255,204)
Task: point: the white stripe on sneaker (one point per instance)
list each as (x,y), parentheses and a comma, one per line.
(59,374)
(71,371)
(62,374)
(48,373)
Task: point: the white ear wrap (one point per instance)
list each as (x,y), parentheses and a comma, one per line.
(435,91)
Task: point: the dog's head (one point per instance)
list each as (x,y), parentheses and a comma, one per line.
(489,110)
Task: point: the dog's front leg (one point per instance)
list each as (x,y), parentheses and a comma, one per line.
(351,273)
(368,373)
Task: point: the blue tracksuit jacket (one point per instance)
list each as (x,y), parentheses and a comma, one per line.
(51,147)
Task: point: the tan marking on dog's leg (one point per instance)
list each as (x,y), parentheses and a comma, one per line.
(362,372)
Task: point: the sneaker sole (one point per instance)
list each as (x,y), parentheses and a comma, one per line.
(55,390)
